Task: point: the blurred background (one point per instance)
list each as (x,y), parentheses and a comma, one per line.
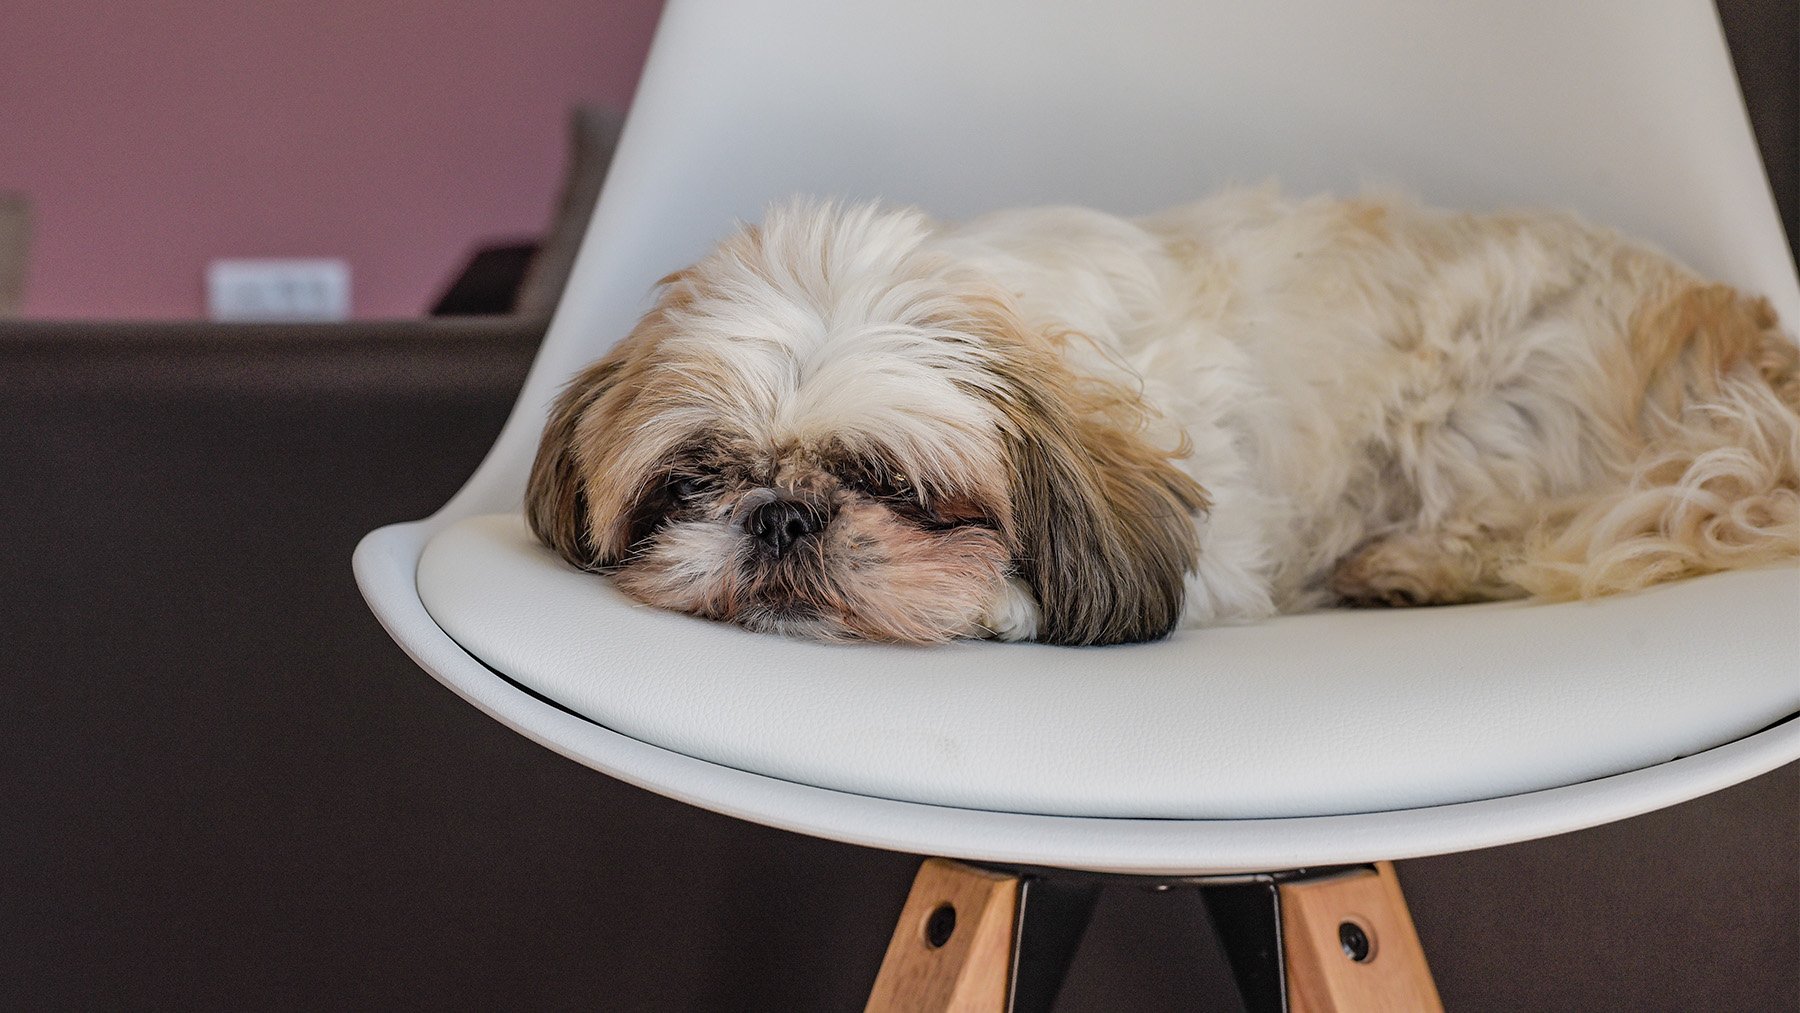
(153,138)
(222,786)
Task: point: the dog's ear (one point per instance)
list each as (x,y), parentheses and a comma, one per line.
(1103,523)
(1104,531)
(589,485)
(556,502)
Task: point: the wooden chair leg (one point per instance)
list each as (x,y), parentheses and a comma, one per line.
(1350,945)
(953,946)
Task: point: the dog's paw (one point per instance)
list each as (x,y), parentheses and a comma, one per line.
(1435,568)
(1014,615)
(1384,573)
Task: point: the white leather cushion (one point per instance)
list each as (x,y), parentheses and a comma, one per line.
(1329,713)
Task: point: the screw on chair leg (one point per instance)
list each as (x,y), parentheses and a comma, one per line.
(980,940)
(952,948)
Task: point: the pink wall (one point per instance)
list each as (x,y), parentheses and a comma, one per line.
(155,136)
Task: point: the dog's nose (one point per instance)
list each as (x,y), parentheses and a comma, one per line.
(781,523)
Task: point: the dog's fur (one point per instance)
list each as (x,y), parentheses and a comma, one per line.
(1063,425)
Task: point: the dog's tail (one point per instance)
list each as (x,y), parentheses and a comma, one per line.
(1715,484)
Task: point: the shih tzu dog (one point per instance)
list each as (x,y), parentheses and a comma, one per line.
(853,422)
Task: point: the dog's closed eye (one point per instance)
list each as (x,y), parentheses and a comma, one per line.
(692,485)
(887,484)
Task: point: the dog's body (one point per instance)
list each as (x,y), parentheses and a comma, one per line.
(1103,426)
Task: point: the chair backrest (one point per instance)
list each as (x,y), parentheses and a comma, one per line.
(1624,110)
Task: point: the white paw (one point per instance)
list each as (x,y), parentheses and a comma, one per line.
(1014,615)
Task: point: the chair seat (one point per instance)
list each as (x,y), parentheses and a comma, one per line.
(1418,707)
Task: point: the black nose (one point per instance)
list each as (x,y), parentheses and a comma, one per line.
(780,524)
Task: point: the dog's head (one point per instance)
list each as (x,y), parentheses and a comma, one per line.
(826,429)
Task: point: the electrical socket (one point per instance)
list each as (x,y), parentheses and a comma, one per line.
(278,290)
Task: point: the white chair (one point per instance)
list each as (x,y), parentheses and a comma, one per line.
(1335,740)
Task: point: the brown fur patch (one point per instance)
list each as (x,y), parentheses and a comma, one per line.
(1683,343)
(1368,216)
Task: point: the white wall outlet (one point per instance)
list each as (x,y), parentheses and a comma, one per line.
(284,290)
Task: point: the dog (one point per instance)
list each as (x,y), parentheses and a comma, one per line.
(851,422)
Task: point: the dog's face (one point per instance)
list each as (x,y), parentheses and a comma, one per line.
(824,429)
